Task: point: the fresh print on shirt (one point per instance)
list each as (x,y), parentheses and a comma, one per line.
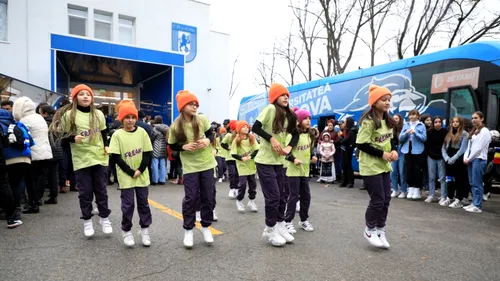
(131,146)
(266,154)
(245,149)
(86,154)
(371,165)
(199,160)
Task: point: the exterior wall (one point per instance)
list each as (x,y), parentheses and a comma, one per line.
(220,76)
(26,55)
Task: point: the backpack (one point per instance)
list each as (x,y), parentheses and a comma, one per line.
(18,136)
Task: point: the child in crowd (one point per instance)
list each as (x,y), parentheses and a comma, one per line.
(131,149)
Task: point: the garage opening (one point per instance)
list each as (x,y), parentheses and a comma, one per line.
(149,85)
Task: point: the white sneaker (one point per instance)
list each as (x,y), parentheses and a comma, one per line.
(297,207)
(188,238)
(282,230)
(88,228)
(382,237)
(486,196)
(240,206)
(445,202)
(411,190)
(417,194)
(402,195)
(372,236)
(272,236)
(207,235)
(290,228)
(306,225)
(215,218)
(128,238)
(106,226)
(395,193)
(220,180)
(233,193)
(198,216)
(474,209)
(430,199)
(146,240)
(468,206)
(456,204)
(252,205)
(465,201)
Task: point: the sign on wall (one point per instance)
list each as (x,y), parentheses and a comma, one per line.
(184,40)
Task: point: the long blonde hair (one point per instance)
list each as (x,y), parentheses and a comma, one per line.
(58,125)
(454,138)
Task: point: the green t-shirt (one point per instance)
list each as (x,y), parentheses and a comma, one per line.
(266,154)
(130,146)
(220,150)
(228,139)
(302,152)
(86,153)
(198,160)
(371,165)
(245,149)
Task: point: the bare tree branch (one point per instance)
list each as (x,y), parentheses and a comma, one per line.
(266,71)
(231,89)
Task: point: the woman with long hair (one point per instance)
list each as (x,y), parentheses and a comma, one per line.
(454,146)
(398,177)
(475,158)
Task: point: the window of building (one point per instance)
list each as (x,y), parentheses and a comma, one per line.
(127,34)
(4,22)
(103,25)
(77,20)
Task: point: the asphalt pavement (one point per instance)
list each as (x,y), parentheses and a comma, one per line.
(428,242)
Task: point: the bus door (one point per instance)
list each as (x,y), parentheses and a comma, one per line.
(461,101)
(492,113)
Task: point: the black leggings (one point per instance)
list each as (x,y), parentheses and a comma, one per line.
(415,164)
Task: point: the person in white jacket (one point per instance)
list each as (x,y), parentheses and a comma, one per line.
(24,111)
(475,158)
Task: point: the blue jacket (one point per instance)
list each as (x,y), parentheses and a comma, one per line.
(10,152)
(418,142)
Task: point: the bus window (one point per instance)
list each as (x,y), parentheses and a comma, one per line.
(462,103)
(492,113)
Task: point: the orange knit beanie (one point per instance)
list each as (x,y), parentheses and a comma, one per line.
(240,125)
(183,98)
(276,91)
(377,92)
(79,88)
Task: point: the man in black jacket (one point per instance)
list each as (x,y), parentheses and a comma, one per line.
(6,197)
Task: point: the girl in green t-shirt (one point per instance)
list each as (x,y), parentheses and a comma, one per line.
(191,134)
(232,170)
(82,125)
(377,151)
(298,173)
(273,124)
(130,150)
(244,149)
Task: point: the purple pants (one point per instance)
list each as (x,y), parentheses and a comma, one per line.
(198,185)
(299,186)
(242,186)
(90,181)
(127,196)
(272,181)
(233,174)
(221,166)
(198,204)
(379,189)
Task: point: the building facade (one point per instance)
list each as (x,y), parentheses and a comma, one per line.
(124,49)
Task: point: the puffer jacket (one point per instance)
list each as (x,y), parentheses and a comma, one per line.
(57,151)
(24,111)
(159,140)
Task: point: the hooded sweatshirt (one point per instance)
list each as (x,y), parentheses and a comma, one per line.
(24,111)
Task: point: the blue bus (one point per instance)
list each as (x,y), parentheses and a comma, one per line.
(455,81)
